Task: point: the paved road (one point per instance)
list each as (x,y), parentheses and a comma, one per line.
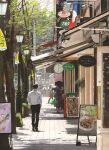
(55,133)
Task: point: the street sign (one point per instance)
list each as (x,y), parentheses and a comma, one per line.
(87,60)
(69,66)
(3,46)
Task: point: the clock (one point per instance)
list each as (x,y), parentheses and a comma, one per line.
(58,68)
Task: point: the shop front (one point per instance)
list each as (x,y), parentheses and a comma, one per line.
(103,97)
(95,88)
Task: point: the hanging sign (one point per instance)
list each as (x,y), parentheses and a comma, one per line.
(3,46)
(58,68)
(64,14)
(87,60)
(64,23)
(69,66)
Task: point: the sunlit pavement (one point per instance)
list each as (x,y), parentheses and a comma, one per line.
(55,133)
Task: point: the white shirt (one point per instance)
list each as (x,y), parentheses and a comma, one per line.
(34,97)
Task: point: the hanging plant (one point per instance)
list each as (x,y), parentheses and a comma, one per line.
(80,83)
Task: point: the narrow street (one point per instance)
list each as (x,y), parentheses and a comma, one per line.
(55,133)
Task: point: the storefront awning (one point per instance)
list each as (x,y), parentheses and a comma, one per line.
(76,50)
(52,57)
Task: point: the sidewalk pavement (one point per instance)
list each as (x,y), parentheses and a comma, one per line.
(55,133)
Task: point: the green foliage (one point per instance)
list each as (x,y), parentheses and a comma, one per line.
(19,122)
(25,109)
(22,15)
(80,83)
(25,105)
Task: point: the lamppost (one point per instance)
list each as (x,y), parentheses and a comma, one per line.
(26,83)
(19,39)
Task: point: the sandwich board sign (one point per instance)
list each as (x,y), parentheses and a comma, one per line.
(5,118)
(87,122)
(3,45)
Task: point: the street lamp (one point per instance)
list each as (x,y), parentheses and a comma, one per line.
(26,51)
(19,39)
(3,8)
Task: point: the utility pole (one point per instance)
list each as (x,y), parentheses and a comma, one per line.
(34,38)
(34,47)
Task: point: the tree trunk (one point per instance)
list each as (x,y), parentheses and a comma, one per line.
(7,73)
(2,94)
(10,91)
(18,95)
(24,77)
(4,142)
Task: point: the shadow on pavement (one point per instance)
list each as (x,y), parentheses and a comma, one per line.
(43,146)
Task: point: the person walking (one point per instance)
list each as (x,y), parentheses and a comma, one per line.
(35,99)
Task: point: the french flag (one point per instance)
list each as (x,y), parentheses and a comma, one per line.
(74,15)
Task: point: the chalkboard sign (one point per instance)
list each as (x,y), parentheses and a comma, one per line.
(87,60)
(5,118)
(87,121)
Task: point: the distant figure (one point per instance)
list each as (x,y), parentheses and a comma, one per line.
(58,96)
(35,99)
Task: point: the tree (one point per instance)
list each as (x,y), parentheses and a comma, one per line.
(6,78)
(19,18)
(27,11)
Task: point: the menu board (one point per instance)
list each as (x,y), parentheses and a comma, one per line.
(5,118)
(87,120)
(72,106)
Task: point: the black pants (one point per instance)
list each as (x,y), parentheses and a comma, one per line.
(35,110)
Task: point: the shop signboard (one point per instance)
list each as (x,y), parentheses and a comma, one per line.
(5,118)
(87,60)
(72,106)
(87,121)
(69,66)
(64,23)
